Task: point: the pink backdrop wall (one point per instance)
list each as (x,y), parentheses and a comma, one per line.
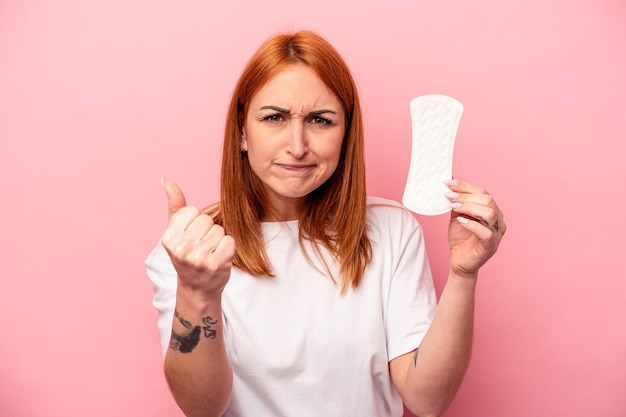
(98,100)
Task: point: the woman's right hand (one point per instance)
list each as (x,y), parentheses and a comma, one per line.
(200,250)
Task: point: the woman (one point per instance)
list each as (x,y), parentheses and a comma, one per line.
(298,295)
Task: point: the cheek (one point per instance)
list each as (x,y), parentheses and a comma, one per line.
(260,154)
(333,151)
(331,156)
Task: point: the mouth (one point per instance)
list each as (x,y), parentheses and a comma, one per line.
(296,167)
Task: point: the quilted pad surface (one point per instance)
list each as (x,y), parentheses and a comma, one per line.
(435,119)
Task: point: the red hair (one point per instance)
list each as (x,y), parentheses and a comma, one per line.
(335,217)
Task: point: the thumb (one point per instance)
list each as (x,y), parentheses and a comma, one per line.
(175,197)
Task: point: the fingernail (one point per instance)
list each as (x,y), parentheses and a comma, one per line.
(451,183)
(462,219)
(451,195)
(455,205)
(163,179)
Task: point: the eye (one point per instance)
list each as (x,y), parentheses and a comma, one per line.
(320,120)
(274,117)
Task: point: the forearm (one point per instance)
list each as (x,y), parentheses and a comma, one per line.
(435,373)
(197,368)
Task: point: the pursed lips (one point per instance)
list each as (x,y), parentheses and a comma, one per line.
(295,167)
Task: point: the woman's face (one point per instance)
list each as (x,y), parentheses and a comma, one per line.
(293,133)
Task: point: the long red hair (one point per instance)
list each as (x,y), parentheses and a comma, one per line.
(336,212)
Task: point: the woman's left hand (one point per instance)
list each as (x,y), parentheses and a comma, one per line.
(476,227)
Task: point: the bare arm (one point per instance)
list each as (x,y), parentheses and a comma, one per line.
(196,365)
(428,378)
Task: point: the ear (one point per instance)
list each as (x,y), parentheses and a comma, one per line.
(243,142)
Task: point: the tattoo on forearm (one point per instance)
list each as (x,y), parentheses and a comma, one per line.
(415,357)
(208,321)
(187,343)
(182,320)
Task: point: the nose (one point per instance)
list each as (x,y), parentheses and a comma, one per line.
(297,145)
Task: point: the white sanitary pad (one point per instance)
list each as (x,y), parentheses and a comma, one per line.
(435,119)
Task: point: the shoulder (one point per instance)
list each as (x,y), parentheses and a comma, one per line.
(384,210)
(389,217)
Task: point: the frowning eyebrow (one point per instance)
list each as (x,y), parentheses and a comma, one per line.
(286,111)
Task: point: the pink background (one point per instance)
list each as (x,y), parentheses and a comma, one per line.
(98,100)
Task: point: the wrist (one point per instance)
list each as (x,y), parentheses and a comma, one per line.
(464,278)
(195,303)
(195,321)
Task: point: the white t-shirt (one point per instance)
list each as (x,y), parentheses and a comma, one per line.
(298,347)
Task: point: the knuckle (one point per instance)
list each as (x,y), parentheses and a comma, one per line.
(219,229)
(230,242)
(170,241)
(209,220)
(191,211)
(217,232)
(166,238)
(195,259)
(212,265)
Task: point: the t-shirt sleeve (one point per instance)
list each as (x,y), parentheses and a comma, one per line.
(164,282)
(411,299)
